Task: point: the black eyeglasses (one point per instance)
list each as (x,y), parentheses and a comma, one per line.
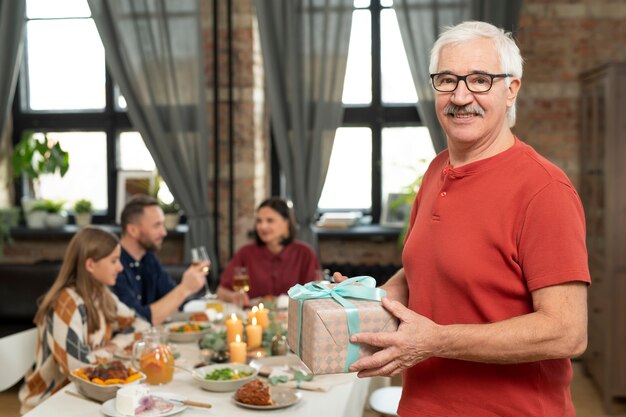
(477,83)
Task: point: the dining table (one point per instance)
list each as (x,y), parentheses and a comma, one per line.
(345,397)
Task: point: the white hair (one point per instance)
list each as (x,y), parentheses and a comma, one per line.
(511,61)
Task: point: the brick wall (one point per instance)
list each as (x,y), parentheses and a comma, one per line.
(559,40)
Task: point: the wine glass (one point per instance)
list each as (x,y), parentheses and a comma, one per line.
(241,281)
(199,255)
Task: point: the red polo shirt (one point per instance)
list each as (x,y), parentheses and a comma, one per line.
(482,237)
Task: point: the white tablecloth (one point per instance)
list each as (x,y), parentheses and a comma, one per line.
(345,400)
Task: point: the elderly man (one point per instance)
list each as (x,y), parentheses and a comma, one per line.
(143,284)
(492,294)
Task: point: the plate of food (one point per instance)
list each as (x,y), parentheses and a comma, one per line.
(258,395)
(187,331)
(102,381)
(139,401)
(223,377)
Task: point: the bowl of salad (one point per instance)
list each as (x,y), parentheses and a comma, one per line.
(224,377)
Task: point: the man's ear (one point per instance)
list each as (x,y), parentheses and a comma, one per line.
(512,91)
(132,230)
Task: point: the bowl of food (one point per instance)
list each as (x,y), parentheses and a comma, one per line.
(186,332)
(223,377)
(101,382)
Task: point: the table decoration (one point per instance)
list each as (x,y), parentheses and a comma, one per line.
(238,351)
(254,334)
(234,327)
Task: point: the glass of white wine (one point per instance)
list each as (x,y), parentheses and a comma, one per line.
(198,256)
(241,281)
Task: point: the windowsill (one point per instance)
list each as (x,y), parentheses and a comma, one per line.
(356,232)
(359,232)
(71,229)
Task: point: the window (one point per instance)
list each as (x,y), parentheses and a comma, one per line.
(382,146)
(65,91)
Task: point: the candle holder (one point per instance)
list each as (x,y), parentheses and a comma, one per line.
(279,345)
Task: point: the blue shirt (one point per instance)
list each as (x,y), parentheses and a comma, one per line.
(141,283)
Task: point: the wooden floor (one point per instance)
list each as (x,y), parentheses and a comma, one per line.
(584,393)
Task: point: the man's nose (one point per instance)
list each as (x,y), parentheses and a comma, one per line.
(462,95)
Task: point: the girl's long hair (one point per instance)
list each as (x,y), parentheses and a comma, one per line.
(89,242)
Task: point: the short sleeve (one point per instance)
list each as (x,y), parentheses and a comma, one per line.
(552,239)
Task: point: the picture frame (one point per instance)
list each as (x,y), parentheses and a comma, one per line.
(396,210)
(130,183)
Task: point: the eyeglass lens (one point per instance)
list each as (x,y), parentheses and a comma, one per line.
(477,83)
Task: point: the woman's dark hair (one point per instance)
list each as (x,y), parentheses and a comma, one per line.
(283,208)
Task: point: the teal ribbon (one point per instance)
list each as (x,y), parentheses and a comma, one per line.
(362,288)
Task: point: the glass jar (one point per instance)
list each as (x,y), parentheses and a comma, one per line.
(153,357)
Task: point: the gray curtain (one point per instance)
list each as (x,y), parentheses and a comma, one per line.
(154,51)
(420,23)
(305,50)
(12,40)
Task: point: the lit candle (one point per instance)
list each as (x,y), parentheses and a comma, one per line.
(252,313)
(234,327)
(238,351)
(262,317)
(254,333)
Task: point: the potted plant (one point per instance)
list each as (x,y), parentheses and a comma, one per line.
(9,217)
(32,158)
(172,214)
(55,216)
(83,210)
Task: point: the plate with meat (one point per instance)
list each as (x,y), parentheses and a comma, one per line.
(258,395)
(185,332)
(101,381)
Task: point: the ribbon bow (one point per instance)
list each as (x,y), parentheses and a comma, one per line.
(363,288)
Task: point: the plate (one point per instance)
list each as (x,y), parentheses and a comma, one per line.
(281,396)
(223,385)
(108,408)
(290,361)
(187,337)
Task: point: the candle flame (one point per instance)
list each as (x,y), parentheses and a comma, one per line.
(258,354)
(255,309)
(233,317)
(238,339)
(261,306)
(254,321)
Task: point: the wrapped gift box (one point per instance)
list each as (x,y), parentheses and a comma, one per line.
(325,331)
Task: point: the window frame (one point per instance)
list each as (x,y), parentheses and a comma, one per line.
(110,120)
(376,116)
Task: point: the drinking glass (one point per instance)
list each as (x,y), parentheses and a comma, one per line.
(199,255)
(241,281)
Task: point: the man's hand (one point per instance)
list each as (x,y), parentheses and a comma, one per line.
(194,277)
(413,342)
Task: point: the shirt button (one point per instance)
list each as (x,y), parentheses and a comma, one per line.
(443,194)
(137,277)
(139,297)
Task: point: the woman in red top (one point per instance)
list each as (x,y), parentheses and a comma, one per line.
(276,261)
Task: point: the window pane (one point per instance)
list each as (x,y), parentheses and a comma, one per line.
(386,3)
(361,3)
(357,86)
(87,173)
(65,65)
(397,83)
(406,153)
(41,9)
(134,155)
(349,180)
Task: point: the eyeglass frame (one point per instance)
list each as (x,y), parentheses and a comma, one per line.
(464,79)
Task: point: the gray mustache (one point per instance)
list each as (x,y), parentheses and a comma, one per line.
(469,109)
